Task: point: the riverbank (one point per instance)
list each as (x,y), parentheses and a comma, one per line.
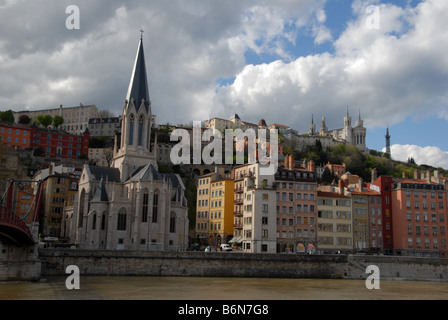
(237,264)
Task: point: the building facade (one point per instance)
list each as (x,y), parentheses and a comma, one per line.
(58,143)
(296,209)
(334,223)
(76,119)
(419,218)
(255,218)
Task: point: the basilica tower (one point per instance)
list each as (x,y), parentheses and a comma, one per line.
(133,144)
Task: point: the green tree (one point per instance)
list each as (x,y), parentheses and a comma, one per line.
(7,116)
(44,120)
(57,121)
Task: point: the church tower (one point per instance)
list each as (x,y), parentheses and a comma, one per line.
(133,144)
(312,126)
(348,128)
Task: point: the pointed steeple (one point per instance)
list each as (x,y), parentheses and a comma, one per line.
(138,86)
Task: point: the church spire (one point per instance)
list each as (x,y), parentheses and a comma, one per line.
(138,86)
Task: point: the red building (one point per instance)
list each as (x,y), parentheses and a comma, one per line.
(57,143)
(15,136)
(383,186)
(419,218)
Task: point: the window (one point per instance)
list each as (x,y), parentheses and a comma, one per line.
(172,222)
(121,223)
(155,207)
(145,206)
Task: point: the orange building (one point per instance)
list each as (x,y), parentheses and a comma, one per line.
(15,136)
(419,217)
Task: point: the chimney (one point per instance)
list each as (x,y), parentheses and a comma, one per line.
(404,175)
(436,176)
(360,184)
(341,187)
(311,166)
(428,176)
(415,174)
(374,175)
(50,169)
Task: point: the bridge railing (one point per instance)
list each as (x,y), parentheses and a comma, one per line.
(10,217)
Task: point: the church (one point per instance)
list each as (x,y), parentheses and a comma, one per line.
(130,205)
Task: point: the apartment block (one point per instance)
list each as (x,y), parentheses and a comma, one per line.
(17,137)
(383,185)
(296,209)
(255,226)
(419,218)
(334,223)
(214,210)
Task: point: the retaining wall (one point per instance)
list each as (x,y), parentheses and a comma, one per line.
(236,264)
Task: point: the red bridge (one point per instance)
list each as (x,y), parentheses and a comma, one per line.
(13,230)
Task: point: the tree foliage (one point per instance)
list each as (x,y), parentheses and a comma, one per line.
(44,120)
(7,116)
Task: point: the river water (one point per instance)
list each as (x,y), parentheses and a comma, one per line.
(196,288)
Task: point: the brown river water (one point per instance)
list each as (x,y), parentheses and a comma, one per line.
(196,288)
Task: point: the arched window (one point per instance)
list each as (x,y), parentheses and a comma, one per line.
(81,208)
(140,130)
(145,205)
(155,205)
(103,221)
(131,129)
(172,222)
(94,221)
(121,221)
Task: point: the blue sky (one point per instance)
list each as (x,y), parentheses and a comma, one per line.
(282,60)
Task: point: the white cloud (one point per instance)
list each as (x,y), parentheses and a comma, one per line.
(389,74)
(430,155)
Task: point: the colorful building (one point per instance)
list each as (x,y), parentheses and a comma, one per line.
(383,186)
(255,216)
(296,208)
(17,137)
(334,223)
(57,143)
(419,215)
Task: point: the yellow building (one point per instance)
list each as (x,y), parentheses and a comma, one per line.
(221,212)
(334,223)
(214,210)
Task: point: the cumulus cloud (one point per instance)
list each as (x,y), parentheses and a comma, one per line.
(388,74)
(429,155)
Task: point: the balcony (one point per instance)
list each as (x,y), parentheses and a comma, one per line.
(238,225)
(239,189)
(239,201)
(238,213)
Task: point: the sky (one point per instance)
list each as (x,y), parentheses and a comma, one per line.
(282,60)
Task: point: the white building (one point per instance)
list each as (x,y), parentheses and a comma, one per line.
(255,228)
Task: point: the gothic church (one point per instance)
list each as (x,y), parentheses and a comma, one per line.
(130,205)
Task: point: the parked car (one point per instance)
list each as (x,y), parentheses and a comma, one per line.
(208,249)
(226,247)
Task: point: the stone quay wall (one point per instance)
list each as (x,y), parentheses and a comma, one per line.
(237,264)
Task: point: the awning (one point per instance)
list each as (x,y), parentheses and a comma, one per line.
(236,240)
